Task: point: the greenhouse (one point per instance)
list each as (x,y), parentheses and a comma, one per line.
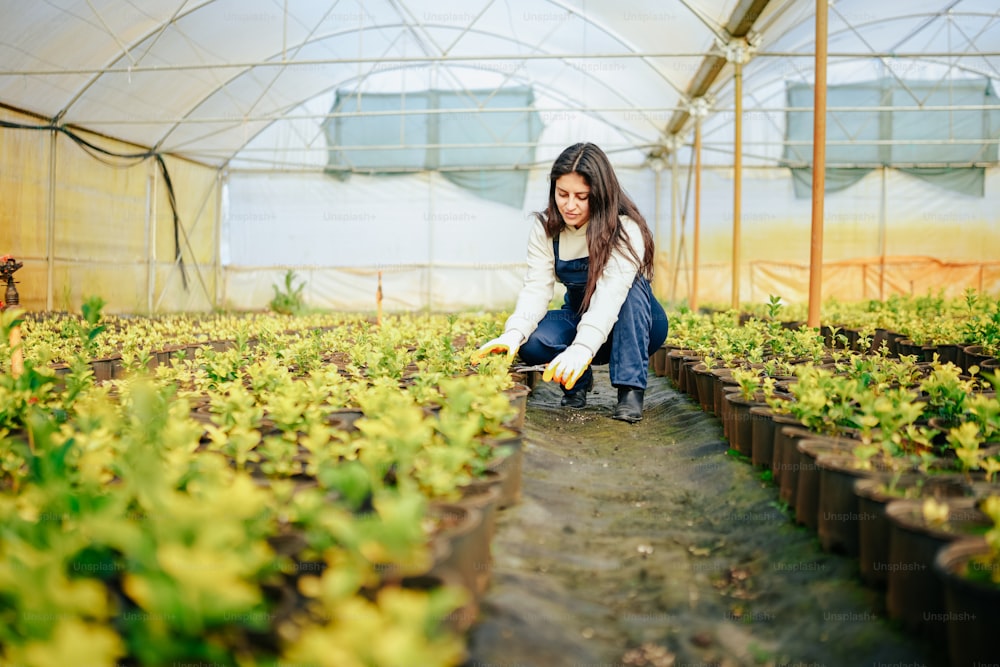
(497,332)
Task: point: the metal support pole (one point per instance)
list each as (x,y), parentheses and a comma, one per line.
(217,293)
(697,214)
(658,285)
(737,52)
(151,213)
(737,183)
(50,224)
(819,168)
(882,225)
(698,109)
(430,243)
(676,224)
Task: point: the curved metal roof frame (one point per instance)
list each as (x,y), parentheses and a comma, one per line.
(460,64)
(152,35)
(123,62)
(568,101)
(759,75)
(69,92)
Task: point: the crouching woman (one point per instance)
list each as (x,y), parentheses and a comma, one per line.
(591,238)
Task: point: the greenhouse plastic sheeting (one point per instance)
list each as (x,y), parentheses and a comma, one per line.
(86,227)
(233,94)
(317,224)
(953,139)
(873,278)
(465,252)
(404,289)
(454,135)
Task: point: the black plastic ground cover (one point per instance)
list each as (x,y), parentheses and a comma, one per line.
(649,544)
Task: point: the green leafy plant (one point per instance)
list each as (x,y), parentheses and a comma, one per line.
(824,402)
(983,326)
(890,434)
(169,518)
(964,441)
(288,298)
(947,392)
(33,390)
(749,382)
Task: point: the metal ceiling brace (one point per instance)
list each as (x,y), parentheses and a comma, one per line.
(744,15)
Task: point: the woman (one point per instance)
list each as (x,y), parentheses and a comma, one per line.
(593,240)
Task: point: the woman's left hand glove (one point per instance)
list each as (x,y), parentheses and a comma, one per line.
(568,366)
(507,343)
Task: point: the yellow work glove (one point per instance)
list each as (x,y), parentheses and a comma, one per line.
(509,342)
(568,366)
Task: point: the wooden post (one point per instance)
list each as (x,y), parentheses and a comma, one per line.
(819,168)
(675,220)
(737,179)
(882,224)
(697,214)
(659,287)
(16,353)
(378,301)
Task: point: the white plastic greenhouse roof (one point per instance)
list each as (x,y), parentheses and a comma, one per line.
(247,84)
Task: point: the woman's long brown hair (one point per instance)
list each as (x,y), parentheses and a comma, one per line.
(607,201)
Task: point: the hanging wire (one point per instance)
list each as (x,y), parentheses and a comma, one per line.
(99,154)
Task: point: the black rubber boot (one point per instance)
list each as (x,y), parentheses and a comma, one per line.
(577,396)
(629,408)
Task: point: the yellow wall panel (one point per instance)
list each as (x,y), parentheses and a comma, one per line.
(102,224)
(784,238)
(24,189)
(196,189)
(915,220)
(197,192)
(114,232)
(122,288)
(100,209)
(955,237)
(171,294)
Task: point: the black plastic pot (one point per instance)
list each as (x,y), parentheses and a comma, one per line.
(914,592)
(874,495)
(972,607)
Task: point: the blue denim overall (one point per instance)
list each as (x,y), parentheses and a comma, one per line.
(640,330)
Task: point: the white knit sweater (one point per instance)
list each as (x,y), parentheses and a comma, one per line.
(609,294)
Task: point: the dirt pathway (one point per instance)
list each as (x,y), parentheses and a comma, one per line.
(648,545)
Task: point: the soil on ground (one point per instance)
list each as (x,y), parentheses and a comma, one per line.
(652,544)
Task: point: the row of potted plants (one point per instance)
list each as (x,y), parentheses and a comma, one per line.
(917,325)
(890,458)
(252,490)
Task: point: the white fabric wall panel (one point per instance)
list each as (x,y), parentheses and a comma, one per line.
(441,247)
(404,289)
(437,245)
(338,235)
(315,220)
